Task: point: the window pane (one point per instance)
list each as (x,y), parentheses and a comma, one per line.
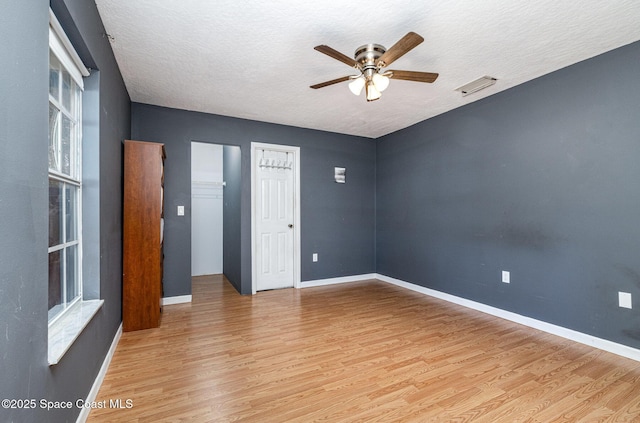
(54,138)
(73,100)
(72,272)
(66,90)
(55,212)
(71,212)
(67,127)
(55,277)
(54,76)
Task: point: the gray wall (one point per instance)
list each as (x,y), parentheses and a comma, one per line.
(337,220)
(231,212)
(540,180)
(24,371)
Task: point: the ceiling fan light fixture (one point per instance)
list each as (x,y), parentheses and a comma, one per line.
(372,91)
(357,85)
(380,81)
(370,59)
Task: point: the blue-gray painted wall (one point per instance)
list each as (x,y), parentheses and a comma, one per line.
(338,220)
(24,370)
(541,180)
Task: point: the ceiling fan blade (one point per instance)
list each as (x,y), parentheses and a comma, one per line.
(333,81)
(337,55)
(413,76)
(399,49)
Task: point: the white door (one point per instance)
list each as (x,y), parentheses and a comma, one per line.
(275,218)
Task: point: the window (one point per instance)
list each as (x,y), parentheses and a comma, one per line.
(71,307)
(65,174)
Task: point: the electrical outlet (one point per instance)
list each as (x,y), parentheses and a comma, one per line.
(624,299)
(506,276)
(315,257)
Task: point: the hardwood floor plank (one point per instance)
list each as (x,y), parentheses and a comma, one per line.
(357,352)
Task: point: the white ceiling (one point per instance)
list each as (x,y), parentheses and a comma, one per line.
(254,59)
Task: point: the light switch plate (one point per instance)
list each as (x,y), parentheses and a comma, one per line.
(315,257)
(506,276)
(180,210)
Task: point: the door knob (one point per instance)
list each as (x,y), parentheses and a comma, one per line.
(290,225)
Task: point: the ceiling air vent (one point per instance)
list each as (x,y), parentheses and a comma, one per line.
(477,85)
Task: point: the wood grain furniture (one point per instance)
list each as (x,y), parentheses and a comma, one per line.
(142,237)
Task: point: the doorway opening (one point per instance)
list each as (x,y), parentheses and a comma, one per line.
(215,208)
(207,195)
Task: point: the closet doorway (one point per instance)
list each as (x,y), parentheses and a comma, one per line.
(207,196)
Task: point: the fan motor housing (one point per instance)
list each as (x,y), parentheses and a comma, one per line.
(368,54)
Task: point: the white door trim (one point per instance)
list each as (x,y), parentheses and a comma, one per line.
(296,210)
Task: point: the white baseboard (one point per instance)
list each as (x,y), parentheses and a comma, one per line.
(180,299)
(603,344)
(93,393)
(331,281)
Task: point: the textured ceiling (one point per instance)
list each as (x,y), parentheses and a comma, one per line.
(254,59)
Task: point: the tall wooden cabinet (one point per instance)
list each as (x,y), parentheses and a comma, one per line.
(143,225)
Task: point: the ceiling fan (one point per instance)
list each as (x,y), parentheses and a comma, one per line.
(369,59)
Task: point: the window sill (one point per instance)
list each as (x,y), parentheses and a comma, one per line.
(66,330)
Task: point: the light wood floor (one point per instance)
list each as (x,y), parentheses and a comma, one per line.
(357,352)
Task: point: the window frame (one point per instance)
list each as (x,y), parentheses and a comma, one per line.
(62,49)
